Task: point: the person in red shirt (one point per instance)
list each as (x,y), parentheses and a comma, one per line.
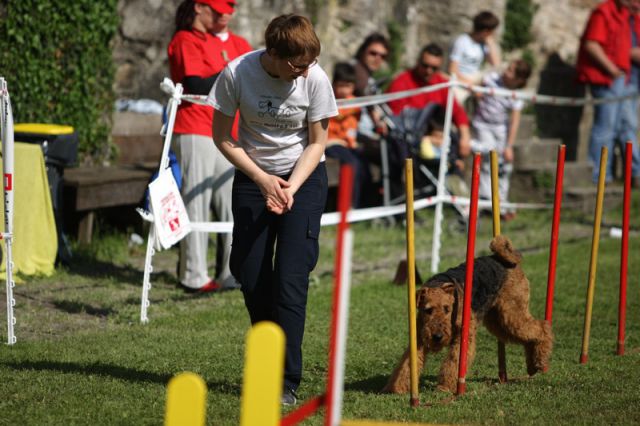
(426,72)
(604,63)
(199,50)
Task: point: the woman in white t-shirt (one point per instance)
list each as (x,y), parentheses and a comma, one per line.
(285,101)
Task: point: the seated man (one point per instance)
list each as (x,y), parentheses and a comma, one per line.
(426,73)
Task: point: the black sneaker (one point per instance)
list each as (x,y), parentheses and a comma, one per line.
(288,397)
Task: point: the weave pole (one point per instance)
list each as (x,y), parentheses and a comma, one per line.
(624,252)
(593,263)
(468,279)
(263,375)
(495,207)
(337,339)
(6,133)
(555,227)
(187,401)
(414,399)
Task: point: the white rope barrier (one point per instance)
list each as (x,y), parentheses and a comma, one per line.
(366,214)
(539,99)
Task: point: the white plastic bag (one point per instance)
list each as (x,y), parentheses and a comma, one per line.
(169,214)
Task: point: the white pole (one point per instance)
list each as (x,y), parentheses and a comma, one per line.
(8,168)
(172,108)
(146,280)
(343,324)
(437,228)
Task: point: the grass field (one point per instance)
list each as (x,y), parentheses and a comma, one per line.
(82,356)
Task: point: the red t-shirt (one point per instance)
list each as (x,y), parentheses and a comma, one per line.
(609,26)
(408,81)
(194,53)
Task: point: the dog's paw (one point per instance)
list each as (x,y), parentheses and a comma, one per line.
(444,388)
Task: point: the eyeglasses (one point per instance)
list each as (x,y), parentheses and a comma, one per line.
(299,69)
(429,66)
(382,55)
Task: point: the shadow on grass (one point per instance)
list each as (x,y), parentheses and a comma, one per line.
(75,307)
(374,384)
(88,266)
(116,372)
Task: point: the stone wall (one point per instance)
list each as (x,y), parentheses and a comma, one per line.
(147,26)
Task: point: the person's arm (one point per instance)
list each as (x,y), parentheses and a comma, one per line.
(195,85)
(597,53)
(514,123)
(465,140)
(453,69)
(635,55)
(311,155)
(271,186)
(493,52)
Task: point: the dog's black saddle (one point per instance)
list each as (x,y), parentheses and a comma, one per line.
(488,278)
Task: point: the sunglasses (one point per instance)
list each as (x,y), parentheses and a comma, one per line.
(382,55)
(298,69)
(429,66)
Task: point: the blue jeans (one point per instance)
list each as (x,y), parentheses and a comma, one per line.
(273,255)
(614,122)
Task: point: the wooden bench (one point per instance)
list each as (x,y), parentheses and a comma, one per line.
(87,189)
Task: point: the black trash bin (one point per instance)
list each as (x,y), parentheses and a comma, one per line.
(60,148)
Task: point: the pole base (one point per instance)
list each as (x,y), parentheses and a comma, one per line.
(502,376)
(462,388)
(620,350)
(584,358)
(415,402)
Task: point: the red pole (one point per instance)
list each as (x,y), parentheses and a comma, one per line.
(344,204)
(622,306)
(306,410)
(553,250)
(468,279)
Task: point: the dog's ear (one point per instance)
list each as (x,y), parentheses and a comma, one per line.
(421,297)
(449,288)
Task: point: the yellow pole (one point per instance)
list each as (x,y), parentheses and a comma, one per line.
(411,288)
(263,375)
(495,193)
(593,263)
(495,209)
(186,401)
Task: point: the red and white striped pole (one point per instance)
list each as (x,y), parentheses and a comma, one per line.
(555,227)
(468,279)
(337,339)
(624,253)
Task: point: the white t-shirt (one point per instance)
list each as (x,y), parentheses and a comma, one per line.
(274,114)
(468,53)
(495,110)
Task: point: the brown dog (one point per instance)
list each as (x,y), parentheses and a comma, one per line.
(500,299)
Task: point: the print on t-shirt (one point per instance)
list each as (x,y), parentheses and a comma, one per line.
(277,114)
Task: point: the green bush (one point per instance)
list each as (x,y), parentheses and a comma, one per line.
(56,58)
(517,24)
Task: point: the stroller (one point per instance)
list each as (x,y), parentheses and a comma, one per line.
(406,139)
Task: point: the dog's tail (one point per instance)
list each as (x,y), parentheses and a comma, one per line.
(503,248)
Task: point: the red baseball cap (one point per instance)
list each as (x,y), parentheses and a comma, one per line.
(221,6)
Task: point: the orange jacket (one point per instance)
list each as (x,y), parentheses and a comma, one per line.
(344,127)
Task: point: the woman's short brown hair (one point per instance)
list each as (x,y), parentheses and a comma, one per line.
(292,36)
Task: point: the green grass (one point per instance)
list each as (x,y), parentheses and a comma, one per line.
(82,356)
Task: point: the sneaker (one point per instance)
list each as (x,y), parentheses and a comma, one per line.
(288,397)
(210,287)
